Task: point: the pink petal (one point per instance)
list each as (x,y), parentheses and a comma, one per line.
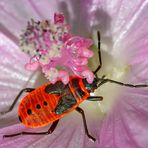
(32,66)
(88,75)
(63,75)
(126,125)
(87,53)
(58,18)
(80,61)
(66,135)
(13,76)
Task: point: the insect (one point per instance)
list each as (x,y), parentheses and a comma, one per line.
(49,103)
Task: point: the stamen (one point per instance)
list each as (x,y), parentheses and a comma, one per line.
(52,47)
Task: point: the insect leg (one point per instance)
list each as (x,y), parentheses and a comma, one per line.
(99,54)
(78,109)
(51,129)
(120,83)
(16,99)
(53,126)
(95,98)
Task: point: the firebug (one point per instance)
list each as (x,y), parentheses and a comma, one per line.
(49,103)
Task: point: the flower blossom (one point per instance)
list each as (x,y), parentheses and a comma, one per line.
(120,120)
(52,46)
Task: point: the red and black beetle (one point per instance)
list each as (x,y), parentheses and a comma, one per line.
(48,103)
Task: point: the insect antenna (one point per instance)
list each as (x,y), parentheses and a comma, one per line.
(99,54)
(102,81)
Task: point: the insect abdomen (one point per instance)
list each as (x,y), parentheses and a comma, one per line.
(36,108)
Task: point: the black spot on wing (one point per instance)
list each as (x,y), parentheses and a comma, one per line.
(45,103)
(29,112)
(38,106)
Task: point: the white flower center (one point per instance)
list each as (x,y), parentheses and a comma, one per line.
(114,69)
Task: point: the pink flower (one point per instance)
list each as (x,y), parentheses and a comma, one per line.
(120,120)
(49,43)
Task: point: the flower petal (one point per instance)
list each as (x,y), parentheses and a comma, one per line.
(126,126)
(13,76)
